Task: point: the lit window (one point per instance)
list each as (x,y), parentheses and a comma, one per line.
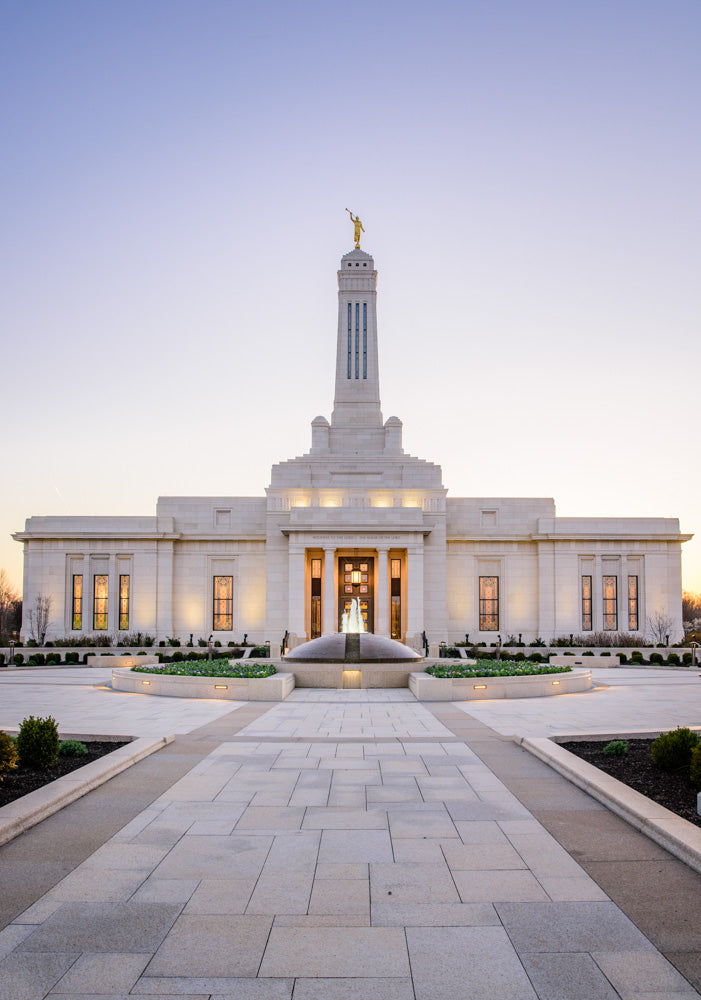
(223,604)
(633,618)
(77,602)
(610,599)
(123,603)
(489,604)
(396,598)
(100,602)
(587,616)
(316,599)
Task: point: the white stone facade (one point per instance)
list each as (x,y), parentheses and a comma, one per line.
(354,500)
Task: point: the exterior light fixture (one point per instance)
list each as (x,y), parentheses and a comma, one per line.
(355,576)
(146,683)
(555,683)
(480,687)
(221,687)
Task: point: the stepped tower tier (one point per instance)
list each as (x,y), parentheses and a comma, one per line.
(357,448)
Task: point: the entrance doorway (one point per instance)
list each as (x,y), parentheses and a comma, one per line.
(356,578)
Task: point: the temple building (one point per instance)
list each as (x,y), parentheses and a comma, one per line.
(353,517)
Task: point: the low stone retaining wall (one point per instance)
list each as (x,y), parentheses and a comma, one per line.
(425,687)
(275,688)
(584,661)
(100,660)
(351,675)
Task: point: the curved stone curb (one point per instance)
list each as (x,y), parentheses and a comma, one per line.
(676,835)
(24,813)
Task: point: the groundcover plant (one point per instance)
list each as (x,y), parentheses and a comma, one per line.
(210,668)
(491,668)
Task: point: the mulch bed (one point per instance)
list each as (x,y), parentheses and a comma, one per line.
(19,782)
(637,770)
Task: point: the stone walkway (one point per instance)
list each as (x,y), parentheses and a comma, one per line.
(341,845)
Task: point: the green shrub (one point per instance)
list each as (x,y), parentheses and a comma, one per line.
(519,656)
(2,659)
(8,754)
(19,659)
(636,656)
(37,742)
(176,657)
(32,642)
(588,652)
(72,748)
(72,657)
(142,653)
(52,659)
(672,751)
(686,659)
(695,769)
(494,668)
(536,658)
(616,748)
(656,658)
(213,668)
(217,643)
(85,657)
(36,660)
(673,658)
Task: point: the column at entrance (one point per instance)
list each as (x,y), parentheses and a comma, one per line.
(328,604)
(296,591)
(382,597)
(415,591)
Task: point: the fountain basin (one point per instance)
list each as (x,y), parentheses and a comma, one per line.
(352,647)
(352,660)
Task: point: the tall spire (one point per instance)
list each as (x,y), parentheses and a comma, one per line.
(357,396)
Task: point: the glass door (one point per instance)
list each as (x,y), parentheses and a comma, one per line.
(356,578)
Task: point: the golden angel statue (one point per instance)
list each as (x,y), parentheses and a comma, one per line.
(358,228)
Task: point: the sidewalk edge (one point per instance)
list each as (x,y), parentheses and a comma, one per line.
(676,835)
(24,813)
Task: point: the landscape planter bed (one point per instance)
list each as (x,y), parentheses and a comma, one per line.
(274,688)
(424,687)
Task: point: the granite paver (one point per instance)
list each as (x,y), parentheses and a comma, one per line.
(342,845)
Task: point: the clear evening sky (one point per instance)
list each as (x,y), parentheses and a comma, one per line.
(174,179)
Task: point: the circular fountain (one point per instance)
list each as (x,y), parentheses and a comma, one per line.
(352,658)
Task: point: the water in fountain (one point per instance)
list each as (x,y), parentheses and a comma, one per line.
(352,621)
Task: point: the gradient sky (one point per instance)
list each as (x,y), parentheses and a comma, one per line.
(173,180)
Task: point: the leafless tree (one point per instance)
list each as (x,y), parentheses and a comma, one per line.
(10,602)
(659,626)
(40,617)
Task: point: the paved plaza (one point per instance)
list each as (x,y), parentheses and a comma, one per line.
(345,845)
